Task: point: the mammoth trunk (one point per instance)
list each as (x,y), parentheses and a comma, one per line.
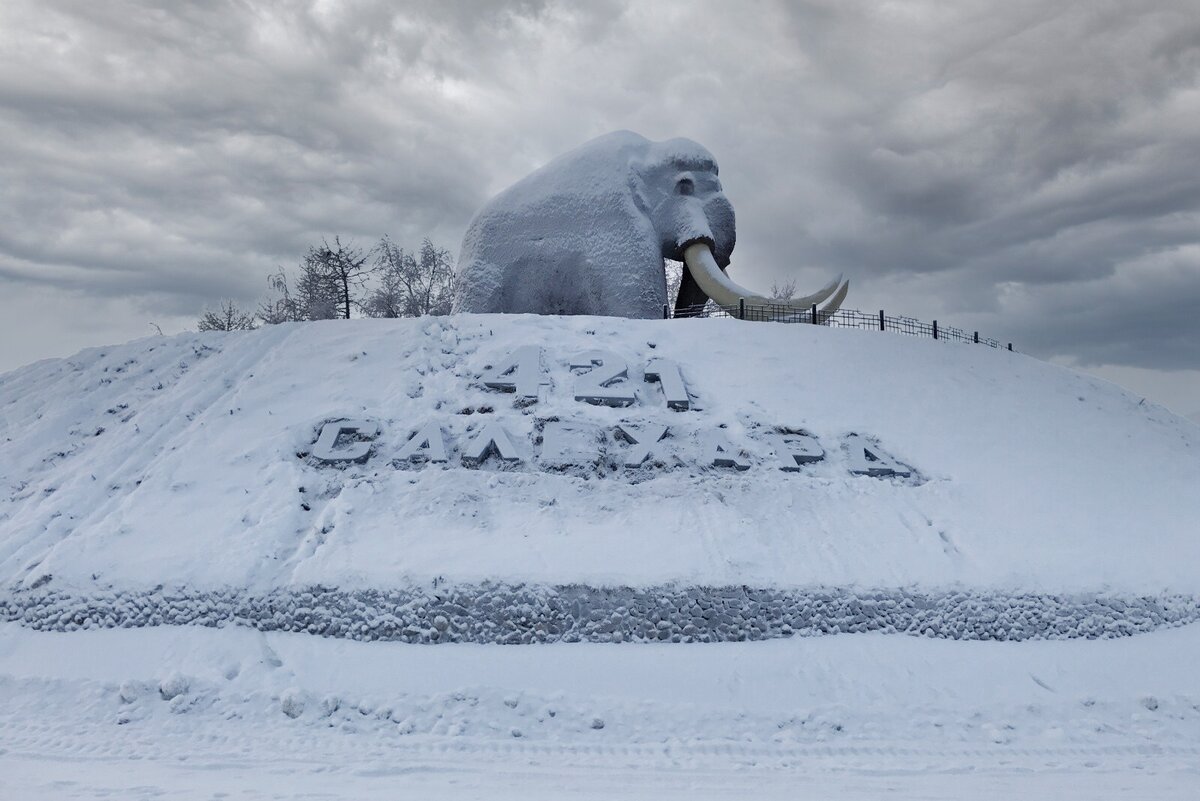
(710,225)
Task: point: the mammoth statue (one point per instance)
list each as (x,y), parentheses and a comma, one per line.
(588,232)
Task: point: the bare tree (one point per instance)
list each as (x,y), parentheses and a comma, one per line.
(226,318)
(283,308)
(339,271)
(411,284)
(435,285)
(318,296)
(783,291)
(393,266)
(331,281)
(327,287)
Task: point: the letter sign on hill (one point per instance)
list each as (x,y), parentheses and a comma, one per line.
(600,378)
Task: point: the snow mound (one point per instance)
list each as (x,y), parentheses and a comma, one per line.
(188,462)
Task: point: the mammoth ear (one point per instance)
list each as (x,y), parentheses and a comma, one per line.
(639,190)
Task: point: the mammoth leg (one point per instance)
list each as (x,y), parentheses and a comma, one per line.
(691,298)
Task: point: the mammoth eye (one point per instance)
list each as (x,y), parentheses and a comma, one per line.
(685,186)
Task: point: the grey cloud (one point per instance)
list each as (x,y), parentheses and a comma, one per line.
(1027,167)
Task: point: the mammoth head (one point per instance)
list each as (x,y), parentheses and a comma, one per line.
(684,199)
(680,191)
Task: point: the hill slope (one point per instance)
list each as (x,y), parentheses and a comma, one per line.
(185,461)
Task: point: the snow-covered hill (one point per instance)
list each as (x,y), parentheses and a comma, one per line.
(177,481)
(180,461)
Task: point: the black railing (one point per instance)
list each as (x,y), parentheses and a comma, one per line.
(842,318)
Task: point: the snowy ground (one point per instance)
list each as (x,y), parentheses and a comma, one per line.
(848,716)
(137,475)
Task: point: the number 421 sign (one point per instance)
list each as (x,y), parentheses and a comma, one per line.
(601,378)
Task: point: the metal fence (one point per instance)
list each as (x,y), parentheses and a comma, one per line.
(842,318)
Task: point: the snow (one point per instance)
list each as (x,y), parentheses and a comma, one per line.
(173,467)
(174,461)
(852,716)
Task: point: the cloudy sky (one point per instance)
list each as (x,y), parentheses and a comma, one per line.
(1030,169)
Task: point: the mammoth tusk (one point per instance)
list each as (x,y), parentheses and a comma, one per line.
(716,285)
(835,302)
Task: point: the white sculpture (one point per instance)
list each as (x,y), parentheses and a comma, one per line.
(588,232)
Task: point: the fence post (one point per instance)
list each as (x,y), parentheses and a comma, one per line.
(935,336)
(666,312)
(976,337)
(1010,346)
(882,326)
(741,308)
(814,314)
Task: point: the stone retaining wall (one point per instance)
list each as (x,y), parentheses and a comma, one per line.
(517,613)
